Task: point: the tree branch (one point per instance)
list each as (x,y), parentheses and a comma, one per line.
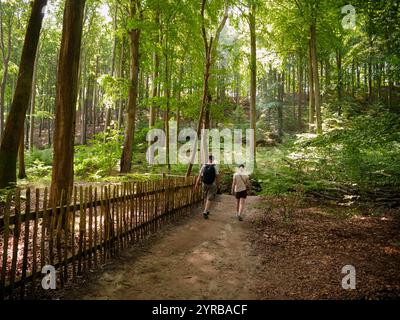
(203,27)
(223,21)
(1,32)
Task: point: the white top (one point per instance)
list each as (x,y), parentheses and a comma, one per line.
(240,181)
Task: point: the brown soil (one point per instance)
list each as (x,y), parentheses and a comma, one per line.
(263,257)
(198,259)
(303,257)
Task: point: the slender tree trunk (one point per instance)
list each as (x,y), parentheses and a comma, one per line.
(16,117)
(2,96)
(379,80)
(85,91)
(311,95)
(391,100)
(156,72)
(6,60)
(88,103)
(317,94)
(209,50)
(340,79)
(95,97)
(353,85)
(253,75)
(179,97)
(207,116)
(66,99)
(107,121)
(167,97)
(121,75)
(33,104)
(281,93)
(134,34)
(300,98)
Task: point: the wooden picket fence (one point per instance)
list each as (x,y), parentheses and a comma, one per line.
(97,224)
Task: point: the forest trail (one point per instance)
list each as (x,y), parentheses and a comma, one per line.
(196,259)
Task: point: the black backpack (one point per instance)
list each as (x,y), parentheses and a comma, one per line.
(209,174)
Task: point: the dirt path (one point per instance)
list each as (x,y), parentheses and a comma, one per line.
(198,259)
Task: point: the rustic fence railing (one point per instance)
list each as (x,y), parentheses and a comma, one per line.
(97,224)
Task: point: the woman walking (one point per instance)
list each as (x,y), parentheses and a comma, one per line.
(240,189)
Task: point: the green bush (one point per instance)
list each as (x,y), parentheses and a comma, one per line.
(359,155)
(44,156)
(100,157)
(38,169)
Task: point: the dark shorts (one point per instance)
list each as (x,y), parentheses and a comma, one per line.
(241,195)
(210,191)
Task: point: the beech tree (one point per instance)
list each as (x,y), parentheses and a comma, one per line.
(210,45)
(67,92)
(134,37)
(11,139)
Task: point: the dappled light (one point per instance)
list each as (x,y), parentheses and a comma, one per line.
(199,150)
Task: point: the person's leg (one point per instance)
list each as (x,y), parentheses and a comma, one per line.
(206,197)
(242,204)
(212,193)
(237,206)
(208,205)
(241,210)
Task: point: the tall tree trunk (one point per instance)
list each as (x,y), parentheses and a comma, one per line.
(300,98)
(16,117)
(207,116)
(253,76)
(156,72)
(340,79)
(2,96)
(392,107)
(88,103)
(121,75)
(317,94)
(6,60)
(83,101)
(95,96)
(353,85)
(379,80)
(107,120)
(167,93)
(134,34)
(179,97)
(66,98)
(209,46)
(33,104)
(311,95)
(281,93)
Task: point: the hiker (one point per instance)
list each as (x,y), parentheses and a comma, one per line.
(240,189)
(210,180)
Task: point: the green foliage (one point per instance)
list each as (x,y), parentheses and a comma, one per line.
(360,156)
(363,154)
(100,157)
(35,156)
(38,169)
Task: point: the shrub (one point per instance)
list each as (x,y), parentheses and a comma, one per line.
(100,157)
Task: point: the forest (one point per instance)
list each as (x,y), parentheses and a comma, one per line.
(83,83)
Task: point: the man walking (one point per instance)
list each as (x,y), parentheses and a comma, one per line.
(209,176)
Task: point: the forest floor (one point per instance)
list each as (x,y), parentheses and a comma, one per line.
(264,257)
